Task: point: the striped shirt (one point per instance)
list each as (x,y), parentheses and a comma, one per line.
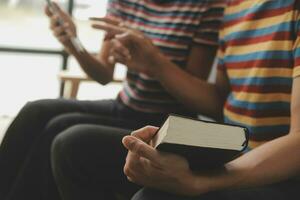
(173,26)
(260,53)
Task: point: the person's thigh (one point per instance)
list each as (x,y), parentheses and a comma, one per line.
(34,117)
(40,121)
(30,126)
(280,191)
(88,160)
(35,179)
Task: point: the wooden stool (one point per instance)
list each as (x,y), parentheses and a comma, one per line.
(72,81)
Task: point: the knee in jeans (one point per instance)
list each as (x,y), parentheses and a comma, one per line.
(33,108)
(57,148)
(61,122)
(66,142)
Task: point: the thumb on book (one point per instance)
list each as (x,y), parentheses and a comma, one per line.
(140,148)
(146,133)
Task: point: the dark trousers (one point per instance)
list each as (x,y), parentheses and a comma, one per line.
(87,163)
(25,150)
(288,190)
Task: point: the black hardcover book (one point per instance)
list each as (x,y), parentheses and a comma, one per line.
(204,144)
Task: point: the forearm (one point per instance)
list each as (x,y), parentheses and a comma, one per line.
(94,67)
(272,162)
(195,93)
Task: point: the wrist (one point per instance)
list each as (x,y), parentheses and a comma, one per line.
(192,185)
(218,180)
(73,46)
(75,51)
(159,66)
(69,48)
(79,55)
(201,184)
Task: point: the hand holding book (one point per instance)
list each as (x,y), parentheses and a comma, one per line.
(180,146)
(148,167)
(204,144)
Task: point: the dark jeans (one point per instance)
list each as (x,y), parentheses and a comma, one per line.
(288,190)
(87,163)
(25,150)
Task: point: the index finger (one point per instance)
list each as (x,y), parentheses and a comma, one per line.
(106,20)
(111,29)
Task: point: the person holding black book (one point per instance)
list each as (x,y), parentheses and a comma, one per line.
(183,31)
(257,86)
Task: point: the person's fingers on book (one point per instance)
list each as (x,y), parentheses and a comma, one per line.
(133,167)
(146,133)
(133,177)
(137,169)
(148,165)
(140,148)
(138,179)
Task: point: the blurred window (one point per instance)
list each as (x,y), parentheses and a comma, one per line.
(26,76)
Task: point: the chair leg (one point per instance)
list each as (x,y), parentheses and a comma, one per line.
(71,89)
